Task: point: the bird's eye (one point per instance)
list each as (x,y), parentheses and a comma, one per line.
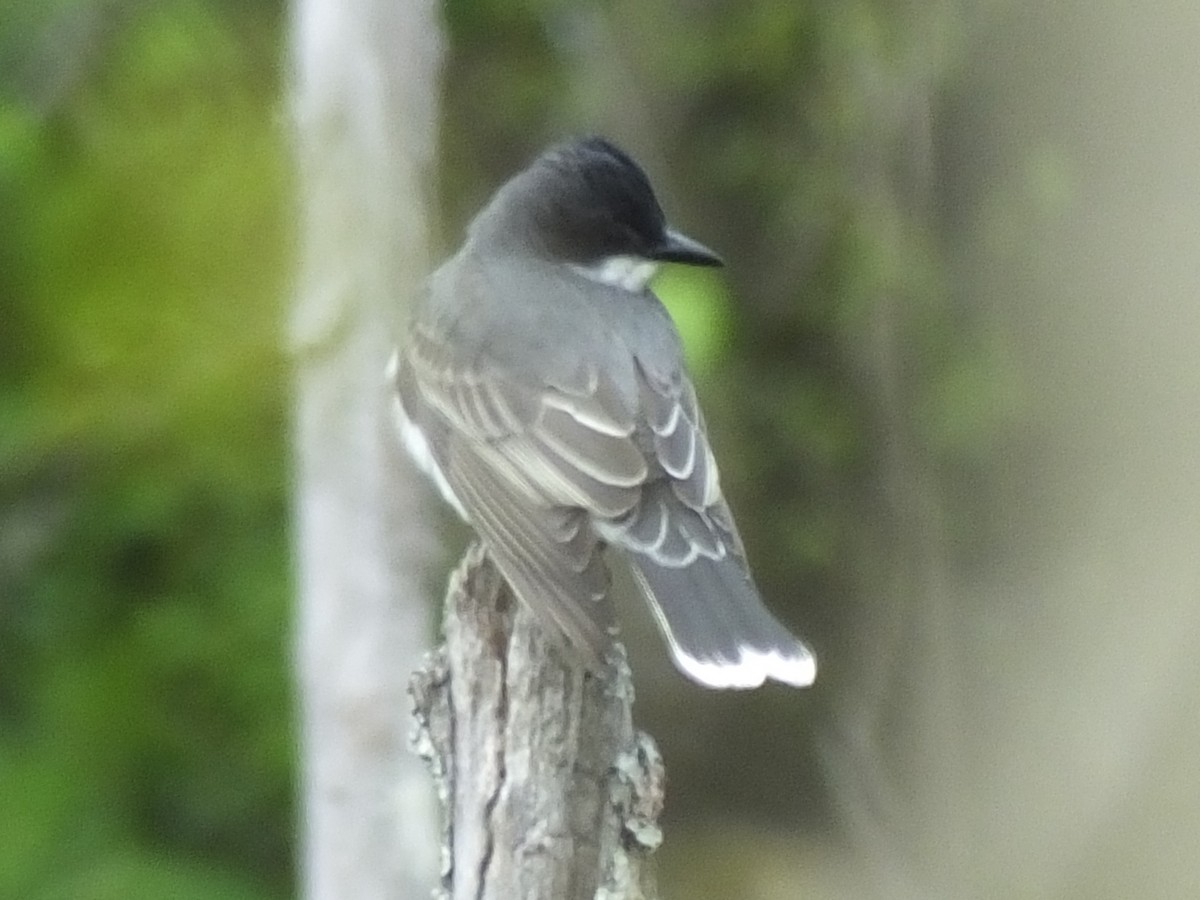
(631,234)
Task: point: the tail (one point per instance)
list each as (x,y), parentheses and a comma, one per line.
(720,633)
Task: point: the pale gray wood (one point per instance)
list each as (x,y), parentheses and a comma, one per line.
(548,791)
(364,100)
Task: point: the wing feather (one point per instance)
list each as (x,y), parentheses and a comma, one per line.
(571,445)
(564,581)
(681,514)
(641,466)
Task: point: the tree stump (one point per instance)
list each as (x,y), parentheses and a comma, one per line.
(547,790)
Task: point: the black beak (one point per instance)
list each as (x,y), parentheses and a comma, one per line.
(680,248)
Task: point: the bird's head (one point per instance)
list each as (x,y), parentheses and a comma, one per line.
(588,204)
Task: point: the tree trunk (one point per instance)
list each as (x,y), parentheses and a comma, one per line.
(548,791)
(365,96)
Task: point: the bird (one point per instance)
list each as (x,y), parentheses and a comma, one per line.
(542,387)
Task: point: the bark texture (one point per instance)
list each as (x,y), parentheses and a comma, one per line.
(548,791)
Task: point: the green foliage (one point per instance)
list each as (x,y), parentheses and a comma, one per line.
(699,305)
(142,395)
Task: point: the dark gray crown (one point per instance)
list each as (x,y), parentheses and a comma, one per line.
(583,201)
(591,200)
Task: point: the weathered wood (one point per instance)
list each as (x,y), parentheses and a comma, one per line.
(547,789)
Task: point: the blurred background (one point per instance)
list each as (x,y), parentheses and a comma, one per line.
(951,372)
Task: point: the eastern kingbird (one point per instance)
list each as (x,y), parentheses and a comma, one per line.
(543,389)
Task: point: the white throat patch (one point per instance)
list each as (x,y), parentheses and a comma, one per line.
(629,273)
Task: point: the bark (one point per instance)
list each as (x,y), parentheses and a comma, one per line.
(547,789)
(364,100)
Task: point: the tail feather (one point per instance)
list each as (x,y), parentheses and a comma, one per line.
(720,633)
